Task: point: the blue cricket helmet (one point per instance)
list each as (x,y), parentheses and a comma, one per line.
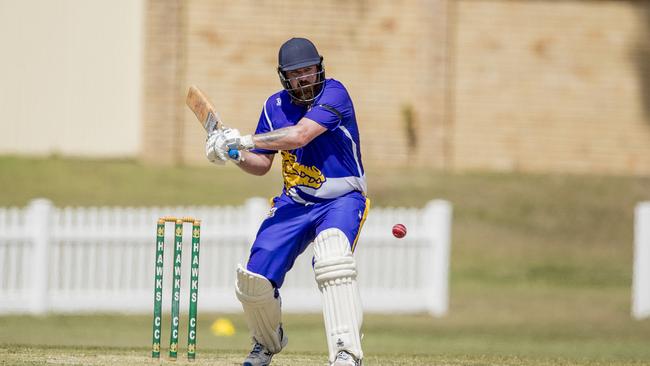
(297,53)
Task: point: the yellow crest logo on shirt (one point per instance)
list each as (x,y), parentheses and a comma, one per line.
(296,174)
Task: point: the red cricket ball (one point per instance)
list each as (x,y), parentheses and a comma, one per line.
(399,231)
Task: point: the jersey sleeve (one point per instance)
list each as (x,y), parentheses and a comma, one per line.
(264,125)
(332,108)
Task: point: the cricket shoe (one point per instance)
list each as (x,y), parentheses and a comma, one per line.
(260,355)
(343,358)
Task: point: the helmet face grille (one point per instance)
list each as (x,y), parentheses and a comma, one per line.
(304,94)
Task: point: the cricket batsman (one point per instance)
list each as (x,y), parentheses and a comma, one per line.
(312,123)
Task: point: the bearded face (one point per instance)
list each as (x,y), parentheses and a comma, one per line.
(305,82)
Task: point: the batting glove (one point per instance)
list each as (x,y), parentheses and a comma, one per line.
(235,141)
(215,150)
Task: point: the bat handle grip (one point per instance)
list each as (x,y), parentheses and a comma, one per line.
(234,154)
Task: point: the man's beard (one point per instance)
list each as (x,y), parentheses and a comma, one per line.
(305,91)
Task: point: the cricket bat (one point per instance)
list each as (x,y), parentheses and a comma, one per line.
(203,109)
(205,113)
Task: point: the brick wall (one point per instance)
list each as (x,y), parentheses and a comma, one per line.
(551,86)
(163,95)
(390,56)
(505,85)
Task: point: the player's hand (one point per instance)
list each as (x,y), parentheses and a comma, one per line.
(215,150)
(235,141)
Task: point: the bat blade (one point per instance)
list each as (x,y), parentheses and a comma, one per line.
(203,109)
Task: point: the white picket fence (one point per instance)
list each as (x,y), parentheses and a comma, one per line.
(641,279)
(102,259)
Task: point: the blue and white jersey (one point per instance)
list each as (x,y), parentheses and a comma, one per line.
(330,165)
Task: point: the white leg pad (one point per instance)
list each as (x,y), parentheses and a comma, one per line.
(336,275)
(262,309)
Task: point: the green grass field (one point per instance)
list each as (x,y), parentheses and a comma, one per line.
(540,273)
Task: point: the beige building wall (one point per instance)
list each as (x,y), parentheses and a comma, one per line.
(540,86)
(391,56)
(70,74)
(551,86)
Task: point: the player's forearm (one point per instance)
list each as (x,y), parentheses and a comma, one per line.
(256,164)
(287,138)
